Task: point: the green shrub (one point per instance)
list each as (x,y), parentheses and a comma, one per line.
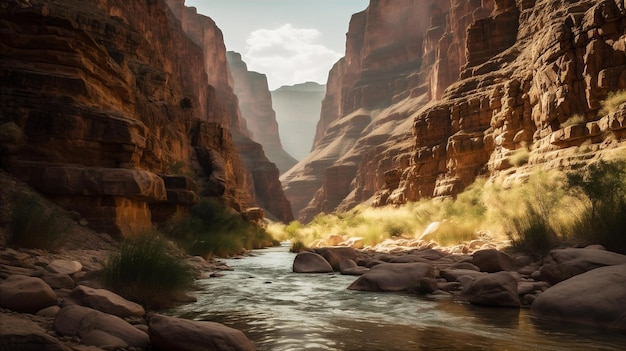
(210,229)
(297,246)
(603,221)
(34,225)
(532,233)
(612,102)
(146,269)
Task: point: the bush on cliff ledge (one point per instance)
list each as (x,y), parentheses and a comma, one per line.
(146,269)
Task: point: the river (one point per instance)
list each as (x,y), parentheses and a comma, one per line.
(281,310)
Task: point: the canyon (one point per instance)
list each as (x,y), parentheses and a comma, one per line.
(297,112)
(431,95)
(124,112)
(255,103)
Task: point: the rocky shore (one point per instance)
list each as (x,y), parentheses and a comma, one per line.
(54,301)
(585,286)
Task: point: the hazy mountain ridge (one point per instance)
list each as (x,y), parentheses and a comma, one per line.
(297,112)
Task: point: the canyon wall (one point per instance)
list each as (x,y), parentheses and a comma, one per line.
(111,110)
(255,103)
(433,94)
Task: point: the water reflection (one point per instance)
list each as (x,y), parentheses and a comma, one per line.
(280,310)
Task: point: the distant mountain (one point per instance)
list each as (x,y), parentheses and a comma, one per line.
(297,110)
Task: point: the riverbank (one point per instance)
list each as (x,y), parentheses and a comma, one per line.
(282,310)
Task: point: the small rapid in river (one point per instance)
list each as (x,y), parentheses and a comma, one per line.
(281,310)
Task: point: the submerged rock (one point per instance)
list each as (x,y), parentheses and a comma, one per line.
(394,277)
(310,262)
(335,255)
(597,297)
(495,289)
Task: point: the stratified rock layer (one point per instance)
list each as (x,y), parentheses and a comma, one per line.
(105,103)
(453,90)
(255,103)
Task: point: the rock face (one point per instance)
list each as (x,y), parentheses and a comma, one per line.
(255,103)
(104,101)
(455,88)
(297,112)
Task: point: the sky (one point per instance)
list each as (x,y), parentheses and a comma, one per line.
(290,41)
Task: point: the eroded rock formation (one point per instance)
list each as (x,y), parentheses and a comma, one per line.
(432,94)
(255,103)
(110,109)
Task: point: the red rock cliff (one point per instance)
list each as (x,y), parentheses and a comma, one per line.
(453,89)
(264,183)
(255,103)
(107,105)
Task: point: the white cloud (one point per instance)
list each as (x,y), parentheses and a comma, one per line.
(289,55)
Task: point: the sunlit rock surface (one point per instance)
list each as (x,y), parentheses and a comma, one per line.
(432,94)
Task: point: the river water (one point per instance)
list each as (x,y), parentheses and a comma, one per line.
(281,310)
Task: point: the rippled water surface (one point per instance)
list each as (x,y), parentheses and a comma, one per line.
(281,310)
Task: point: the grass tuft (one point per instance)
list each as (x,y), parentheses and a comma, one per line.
(147,269)
(613,100)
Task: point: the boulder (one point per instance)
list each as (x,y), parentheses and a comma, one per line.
(58,281)
(334,255)
(106,301)
(563,264)
(26,294)
(21,334)
(349,267)
(453,275)
(98,328)
(492,261)
(175,334)
(597,298)
(394,277)
(64,267)
(494,289)
(310,262)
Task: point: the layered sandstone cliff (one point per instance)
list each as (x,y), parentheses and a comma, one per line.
(432,94)
(255,103)
(109,108)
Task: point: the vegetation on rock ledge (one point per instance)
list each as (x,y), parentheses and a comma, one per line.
(585,206)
